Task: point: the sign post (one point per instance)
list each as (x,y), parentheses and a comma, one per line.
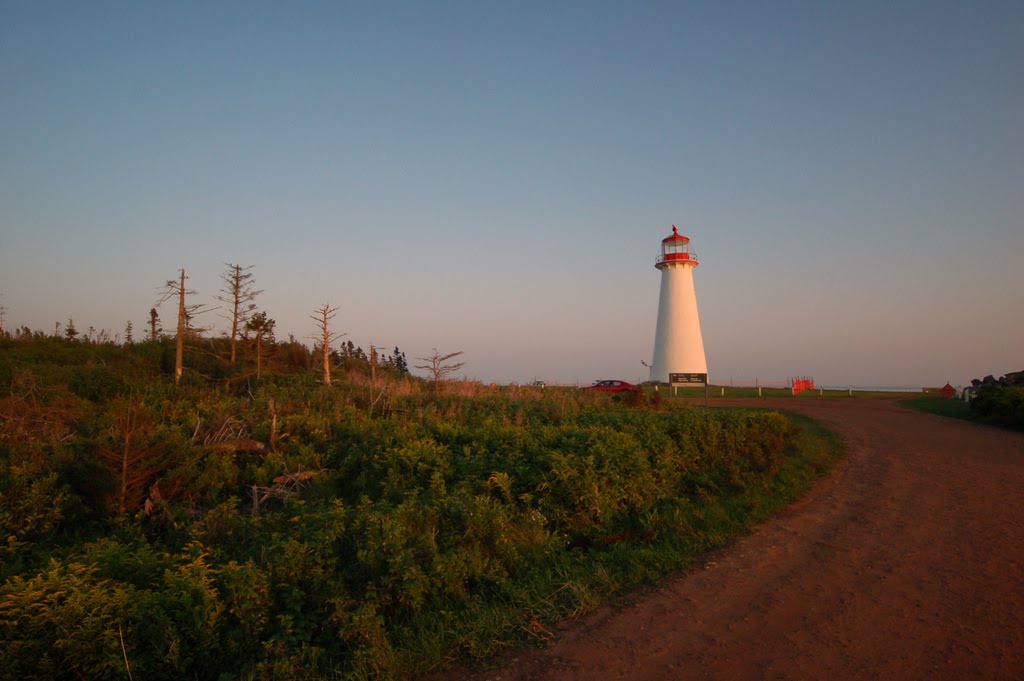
(689,380)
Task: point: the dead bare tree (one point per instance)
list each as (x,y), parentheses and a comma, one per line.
(132,464)
(284,487)
(438,366)
(379,393)
(33,413)
(239,295)
(225,434)
(325,338)
(373,363)
(175,288)
(379,386)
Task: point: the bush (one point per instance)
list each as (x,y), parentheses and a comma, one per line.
(1000,406)
(377,538)
(71,622)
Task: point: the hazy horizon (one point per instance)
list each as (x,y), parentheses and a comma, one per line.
(497,179)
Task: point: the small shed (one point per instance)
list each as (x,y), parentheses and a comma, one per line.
(946,391)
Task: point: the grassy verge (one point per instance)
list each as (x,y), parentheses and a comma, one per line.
(574,583)
(933,404)
(719,391)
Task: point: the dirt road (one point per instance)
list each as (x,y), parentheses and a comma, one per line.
(907,562)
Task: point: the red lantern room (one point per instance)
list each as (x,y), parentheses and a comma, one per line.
(675,248)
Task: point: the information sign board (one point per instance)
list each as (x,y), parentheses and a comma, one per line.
(687,379)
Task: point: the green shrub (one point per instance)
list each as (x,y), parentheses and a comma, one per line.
(31,511)
(69,622)
(1000,406)
(95,383)
(381,542)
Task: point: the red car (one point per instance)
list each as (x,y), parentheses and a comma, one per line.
(610,386)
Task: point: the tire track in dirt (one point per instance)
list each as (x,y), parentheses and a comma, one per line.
(907,562)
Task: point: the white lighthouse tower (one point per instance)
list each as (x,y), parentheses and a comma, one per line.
(678,345)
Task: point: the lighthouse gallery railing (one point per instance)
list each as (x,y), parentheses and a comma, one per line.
(676,257)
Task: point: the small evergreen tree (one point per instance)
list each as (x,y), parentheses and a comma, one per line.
(399,362)
(155,329)
(262,327)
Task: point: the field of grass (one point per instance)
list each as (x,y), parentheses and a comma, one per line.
(379,527)
(719,391)
(936,404)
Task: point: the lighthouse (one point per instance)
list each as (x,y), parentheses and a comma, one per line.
(678,344)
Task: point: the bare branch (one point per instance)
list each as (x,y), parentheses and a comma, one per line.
(238,293)
(284,487)
(438,366)
(124,652)
(325,338)
(176,289)
(126,456)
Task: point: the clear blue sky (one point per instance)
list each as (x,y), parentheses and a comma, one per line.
(496,177)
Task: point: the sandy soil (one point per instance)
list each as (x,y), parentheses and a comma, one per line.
(907,562)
